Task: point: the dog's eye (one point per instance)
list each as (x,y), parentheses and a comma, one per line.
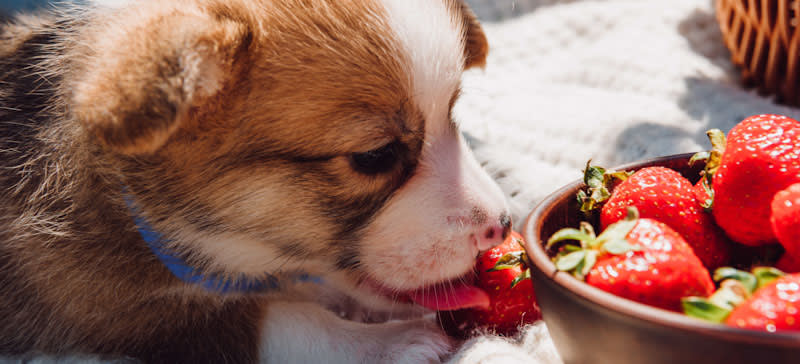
(377,160)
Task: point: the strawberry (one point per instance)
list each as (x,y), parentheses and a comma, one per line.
(773,307)
(760,158)
(665,195)
(502,272)
(703,194)
(639,259)
(785,219)
(735,288)
(788,264)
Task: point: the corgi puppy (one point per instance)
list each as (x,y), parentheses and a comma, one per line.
(204,180)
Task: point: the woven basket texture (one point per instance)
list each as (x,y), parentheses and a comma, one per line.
(763,37)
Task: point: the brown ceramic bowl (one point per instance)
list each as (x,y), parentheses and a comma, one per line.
(591,326)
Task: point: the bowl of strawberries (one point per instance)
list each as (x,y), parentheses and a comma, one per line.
(678,259)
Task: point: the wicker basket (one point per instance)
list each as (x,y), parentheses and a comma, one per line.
(763,37)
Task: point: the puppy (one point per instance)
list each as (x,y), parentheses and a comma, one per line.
(175,174)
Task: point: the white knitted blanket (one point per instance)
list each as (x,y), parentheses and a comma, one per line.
(613,81)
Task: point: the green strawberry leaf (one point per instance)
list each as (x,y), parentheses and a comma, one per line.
(509,260)
(730,294)
(569,261)
(748,280)
(599,195)
(568,234)
(579,260)
(578,271)
(593,175)
(609,177)
(588,262)
(699,156)
(718,141)
(587,228)
(701,308)
(716,308)
(598,180)
(616,231)
(618,246)
(708,204)
(597,192)
(582,198)
(526,274)
(765,275)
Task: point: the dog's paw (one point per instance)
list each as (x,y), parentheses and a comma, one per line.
(414,341)
(291,326)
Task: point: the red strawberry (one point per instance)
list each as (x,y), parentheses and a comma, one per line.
(503,274)
(773,307)
(703,194)
(788,264)
(735,288)
(663,194)
(761,157)
(785,219)
(640,259)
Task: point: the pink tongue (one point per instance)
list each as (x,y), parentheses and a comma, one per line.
(450,296)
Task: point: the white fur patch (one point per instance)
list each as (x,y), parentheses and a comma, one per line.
(202,74)
(302,332)
(430,34)
(236,253)
(427,233)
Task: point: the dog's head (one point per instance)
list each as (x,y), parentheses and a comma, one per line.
(262,136)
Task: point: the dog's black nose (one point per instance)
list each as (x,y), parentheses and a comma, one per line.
(495,234)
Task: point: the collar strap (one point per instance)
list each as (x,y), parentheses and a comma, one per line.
(185,272)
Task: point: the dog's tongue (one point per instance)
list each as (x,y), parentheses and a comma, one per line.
(450,296)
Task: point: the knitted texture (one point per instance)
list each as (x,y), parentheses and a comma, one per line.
(611,81)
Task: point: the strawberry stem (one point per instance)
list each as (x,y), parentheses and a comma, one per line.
(599,182)
(579,259)
(569,234)
(712,159)
(719,305)
(525,274)
(570,261)
(765,275)
(508,261)
(702,308)
(699,156)
(736,286)
(708,203)
(747,279)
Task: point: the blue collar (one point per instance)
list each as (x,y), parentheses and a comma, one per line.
(185,272)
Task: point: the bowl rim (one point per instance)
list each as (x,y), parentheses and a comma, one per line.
(623,306)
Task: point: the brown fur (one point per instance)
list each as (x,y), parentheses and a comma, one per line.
(191,106)
(476,48)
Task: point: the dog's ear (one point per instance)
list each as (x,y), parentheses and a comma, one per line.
(476,47)
(141,79)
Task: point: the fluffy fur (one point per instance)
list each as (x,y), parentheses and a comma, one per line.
(258,137)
